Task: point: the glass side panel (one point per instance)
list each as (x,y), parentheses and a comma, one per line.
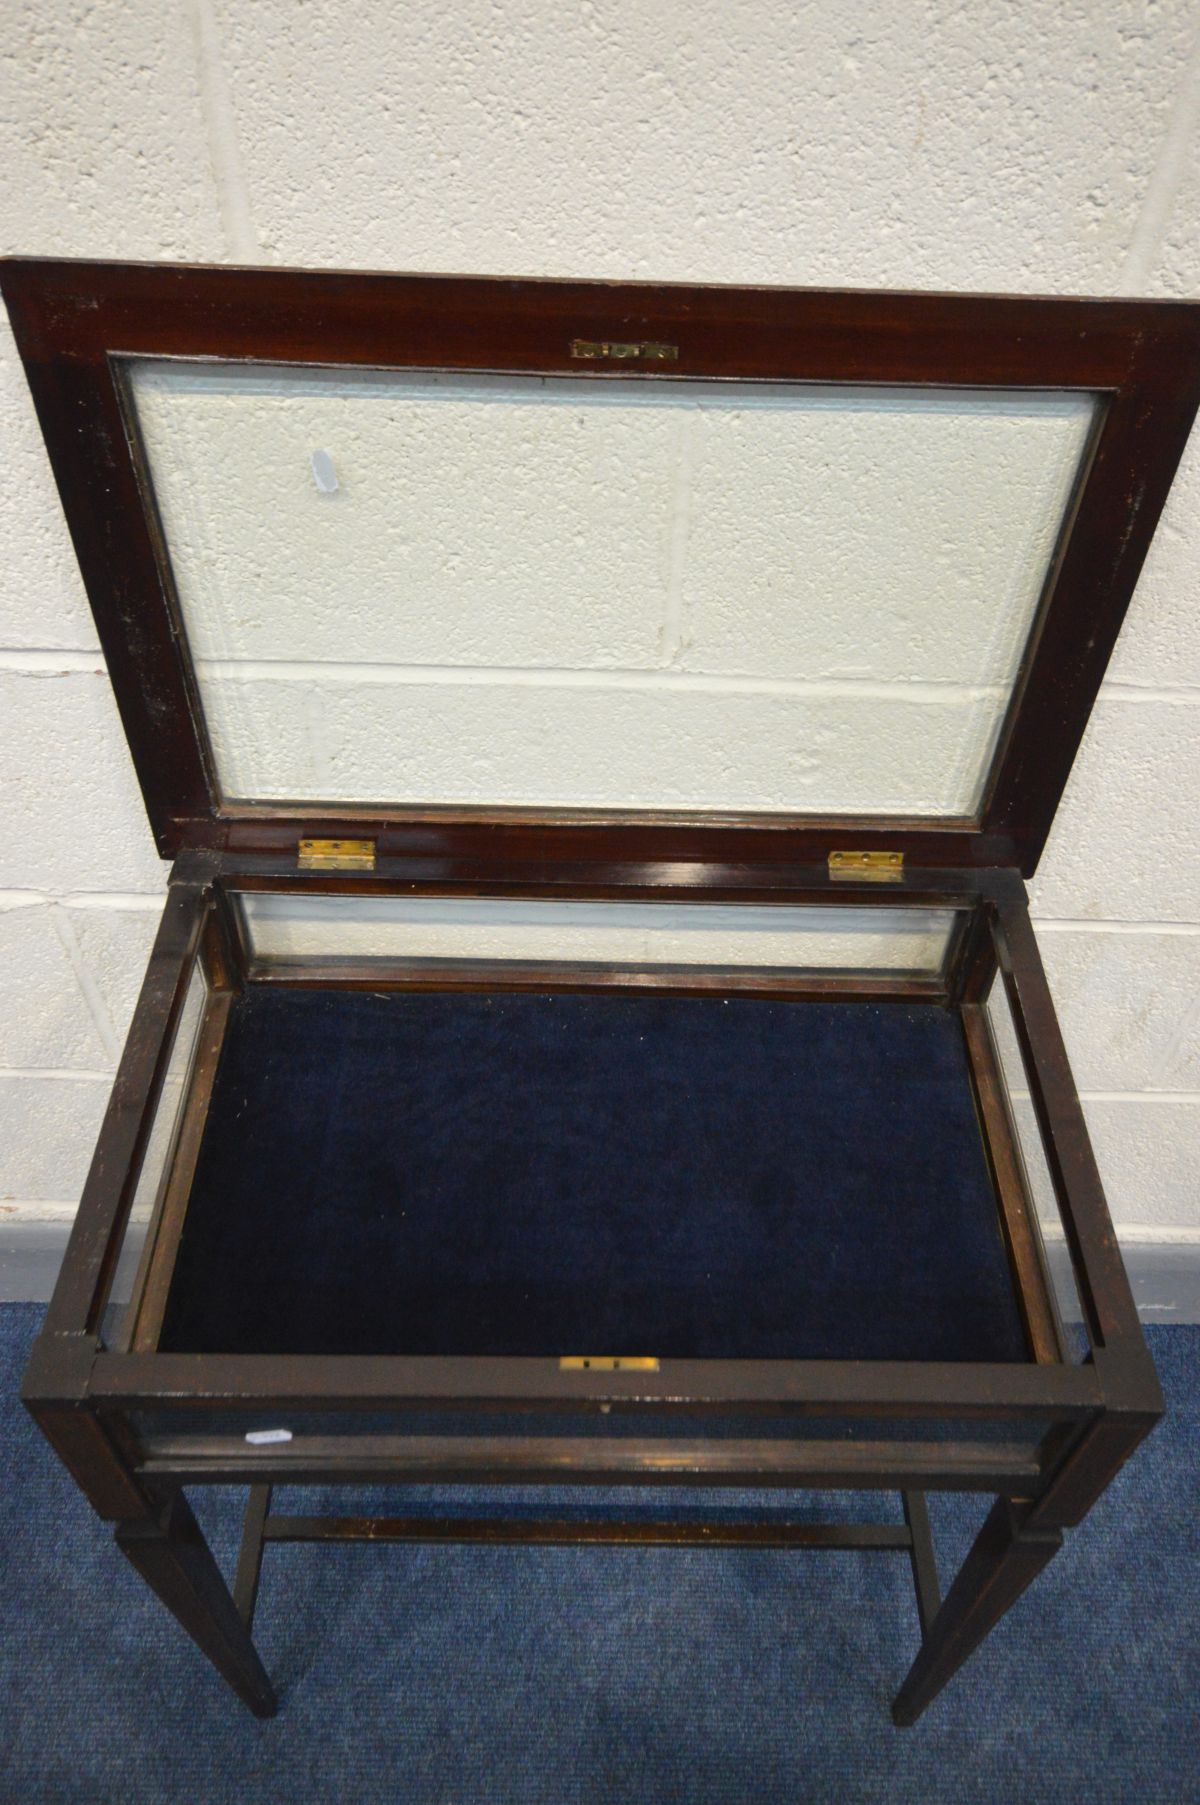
(436,589)
(148,1196)
(172,1425)
(849,938)
(1039,1184)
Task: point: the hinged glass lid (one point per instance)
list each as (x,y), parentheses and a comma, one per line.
(546,592)
(597,581)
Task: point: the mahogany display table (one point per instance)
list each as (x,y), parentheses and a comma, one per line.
(595,1034)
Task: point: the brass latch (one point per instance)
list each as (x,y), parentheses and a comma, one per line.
(337,855)
(867,867)
(621,350)
(608,1363)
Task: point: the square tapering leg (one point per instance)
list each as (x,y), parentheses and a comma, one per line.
(1005,1558)
(172,1556)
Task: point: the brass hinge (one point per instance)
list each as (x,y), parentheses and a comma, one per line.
(337,855)
(867,867)
(622,350)
(608,1363)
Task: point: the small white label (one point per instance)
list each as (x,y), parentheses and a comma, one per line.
(261,1438)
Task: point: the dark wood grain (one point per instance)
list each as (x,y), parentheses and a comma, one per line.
(570,1532)
(76,321)
(1007,1556)
(378,1382)
(924,1558)
(176,1562)
(515,873)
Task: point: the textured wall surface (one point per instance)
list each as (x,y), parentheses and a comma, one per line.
(919,143)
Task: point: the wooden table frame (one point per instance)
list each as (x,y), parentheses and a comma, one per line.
(77,326)
(89,1397)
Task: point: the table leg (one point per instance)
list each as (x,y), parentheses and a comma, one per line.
(1007,1555)
(172,1556)
(923,1558)
(249,1567)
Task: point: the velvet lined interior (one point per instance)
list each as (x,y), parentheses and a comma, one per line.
(543,1175)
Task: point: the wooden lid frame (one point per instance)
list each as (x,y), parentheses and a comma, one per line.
(75,323)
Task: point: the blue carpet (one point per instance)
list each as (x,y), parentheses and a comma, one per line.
(555,1676)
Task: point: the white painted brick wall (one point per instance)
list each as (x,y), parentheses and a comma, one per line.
(665,594)
(917,143)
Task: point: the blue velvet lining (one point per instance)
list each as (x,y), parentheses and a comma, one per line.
(516,1174)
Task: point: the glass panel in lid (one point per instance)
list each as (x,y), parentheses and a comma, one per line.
(421,589)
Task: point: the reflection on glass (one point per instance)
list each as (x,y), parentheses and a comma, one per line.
(795,939)
(1038,1181)
(483,590)
(156,1164)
